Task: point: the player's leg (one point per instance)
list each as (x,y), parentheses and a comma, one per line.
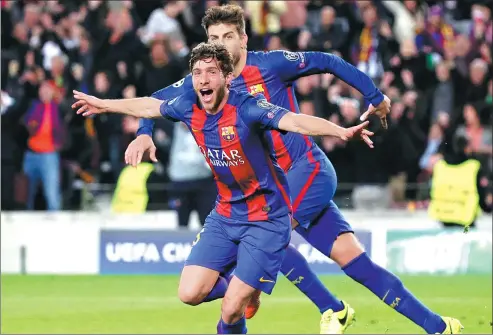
(211,254)
(311,186)
(321,234)
(260,254)
(356,263)
(233,306)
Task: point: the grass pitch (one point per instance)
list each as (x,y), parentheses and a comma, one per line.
(148,304)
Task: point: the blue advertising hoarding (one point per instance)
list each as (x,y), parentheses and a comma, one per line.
(165,251)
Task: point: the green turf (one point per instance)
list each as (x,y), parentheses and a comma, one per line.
(148,304)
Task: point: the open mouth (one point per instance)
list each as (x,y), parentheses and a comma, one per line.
(206,95)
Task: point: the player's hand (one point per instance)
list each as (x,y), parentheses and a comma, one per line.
(137,148)
(381,111)
(87,104)
(359,130)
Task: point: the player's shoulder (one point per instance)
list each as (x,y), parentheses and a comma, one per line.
(247,103)
(242,99)
(174,89)
(274,55)
(184,100)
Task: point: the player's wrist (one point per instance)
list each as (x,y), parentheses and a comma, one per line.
(144,131)
(377,98)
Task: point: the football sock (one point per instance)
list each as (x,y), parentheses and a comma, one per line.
(391,291)
(238,327)
(296,269)
(218,291)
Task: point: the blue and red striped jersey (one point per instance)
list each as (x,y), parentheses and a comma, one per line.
(273,74)
(249,181)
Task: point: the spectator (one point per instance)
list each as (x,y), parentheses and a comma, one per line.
(443,95)
(163,22)
(427,160)
(374,44)
(436,35)
(265,20)
(460,187)
(331,35)
(479,137)
(42,160)
(192,181)
(408,15)
(160,71)
(139,189)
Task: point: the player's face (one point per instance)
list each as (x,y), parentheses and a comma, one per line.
(209,83)
(228,35)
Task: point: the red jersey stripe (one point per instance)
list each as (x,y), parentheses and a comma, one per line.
(305,188)
(284,194)
(197,123)
(244,174)
(251,74)
(311,159)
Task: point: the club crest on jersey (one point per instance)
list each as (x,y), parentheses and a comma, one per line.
(228,133)
(256,89)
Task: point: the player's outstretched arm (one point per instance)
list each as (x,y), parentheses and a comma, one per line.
(315,126)
(292,65)
(139,107)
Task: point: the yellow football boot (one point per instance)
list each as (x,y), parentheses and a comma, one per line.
(336,322)
(453,326)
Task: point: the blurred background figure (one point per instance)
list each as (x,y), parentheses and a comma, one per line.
(460,188)
(42,158)
(137,189)
(193,187)
(432,58)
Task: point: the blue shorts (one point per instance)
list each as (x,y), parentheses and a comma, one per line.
(256,248)
(312,187)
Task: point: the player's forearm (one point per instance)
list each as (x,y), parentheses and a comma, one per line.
(350,75)
(139,107)
(313,126)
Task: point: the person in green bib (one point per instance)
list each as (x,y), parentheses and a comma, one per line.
(460,188)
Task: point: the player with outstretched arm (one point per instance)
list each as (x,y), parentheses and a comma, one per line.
(250,226)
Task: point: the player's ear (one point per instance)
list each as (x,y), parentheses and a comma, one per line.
(229,79)
(244,41)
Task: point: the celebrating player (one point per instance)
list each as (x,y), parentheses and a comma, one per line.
(251,223)
(311,176)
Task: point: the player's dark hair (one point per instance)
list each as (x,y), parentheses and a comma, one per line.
(215,51)
(226,14)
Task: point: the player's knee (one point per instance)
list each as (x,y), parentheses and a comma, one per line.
(191,295)
(346,248)
(232,308)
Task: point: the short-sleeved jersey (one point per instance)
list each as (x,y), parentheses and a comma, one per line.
(273,74)
(249,181)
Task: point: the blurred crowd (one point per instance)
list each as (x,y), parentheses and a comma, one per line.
(432,58)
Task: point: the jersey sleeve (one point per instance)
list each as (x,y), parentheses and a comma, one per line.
(290,66)
(146,126)
(257,111)
(174,109)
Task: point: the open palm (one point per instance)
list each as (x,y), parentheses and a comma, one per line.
(87,104)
